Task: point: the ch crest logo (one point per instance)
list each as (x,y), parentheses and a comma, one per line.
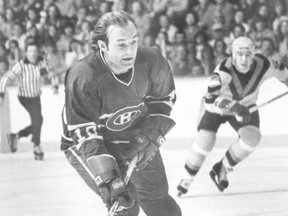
(123,118)
(126,117)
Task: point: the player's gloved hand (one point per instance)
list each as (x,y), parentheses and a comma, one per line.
(242,113)
(109,180)
(116,190)
(142,146)
(148,141)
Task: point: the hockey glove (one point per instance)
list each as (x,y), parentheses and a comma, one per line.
(109,181)
(148,141)
(241,112)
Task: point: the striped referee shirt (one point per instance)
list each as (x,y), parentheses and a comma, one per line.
(28,76)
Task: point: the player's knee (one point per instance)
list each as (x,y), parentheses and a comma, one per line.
(250,135)
(206,140)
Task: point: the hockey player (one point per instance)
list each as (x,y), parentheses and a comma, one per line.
(232,90)
(117,105)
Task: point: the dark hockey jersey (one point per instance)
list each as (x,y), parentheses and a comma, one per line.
(227,83)
(102,109)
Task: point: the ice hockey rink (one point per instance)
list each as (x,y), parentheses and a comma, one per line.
(258,185)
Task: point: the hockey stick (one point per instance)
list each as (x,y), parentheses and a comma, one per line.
(126,179)
(257,107)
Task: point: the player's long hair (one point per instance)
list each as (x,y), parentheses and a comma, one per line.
(115,18)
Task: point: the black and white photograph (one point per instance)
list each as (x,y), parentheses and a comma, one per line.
(144,107)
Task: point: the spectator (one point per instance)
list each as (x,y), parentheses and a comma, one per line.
(54,16)
(54,60)
(148,40)
(42,25)
(263,13)
(219,48)
(218,32)
(82,15)
(17,6)
(167,27)
(279,15)
(157,7)
(248,7)
(104,7)
(28,72)
(120,5)
(84,35)
(94,11)
(65,38)
(53,34)
(142,19)
(9,20)
(75,53)
(239,19)
(197,68)
(32,17)
(268,49)
(47,3)
(14,54)
(259,31)
(204,52)
(67,8)
(180,63)
(224,13)
(205,11)
(19,34)
(38,5)
(176,11)
(282,35)
(191,26)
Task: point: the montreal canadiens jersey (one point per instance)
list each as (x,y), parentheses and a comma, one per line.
(227,83)
(103,109)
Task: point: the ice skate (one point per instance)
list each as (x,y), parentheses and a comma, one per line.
(218,175)
(12,141)
(38,153)
(183,186)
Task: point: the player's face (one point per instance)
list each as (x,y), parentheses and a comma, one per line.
(243,60)
(122,47)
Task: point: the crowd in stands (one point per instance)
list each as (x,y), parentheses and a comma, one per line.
(194,35)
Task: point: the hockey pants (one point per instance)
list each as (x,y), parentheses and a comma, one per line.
(149,187)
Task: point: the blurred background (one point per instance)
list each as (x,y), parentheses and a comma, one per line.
(194,35)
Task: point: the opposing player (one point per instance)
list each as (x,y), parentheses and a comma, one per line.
(232,90)
(117,105)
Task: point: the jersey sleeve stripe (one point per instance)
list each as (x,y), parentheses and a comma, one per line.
(73,127)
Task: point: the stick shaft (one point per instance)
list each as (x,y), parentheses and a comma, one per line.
(255,108)
(126,179)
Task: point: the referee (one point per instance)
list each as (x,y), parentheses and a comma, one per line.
(29,72)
